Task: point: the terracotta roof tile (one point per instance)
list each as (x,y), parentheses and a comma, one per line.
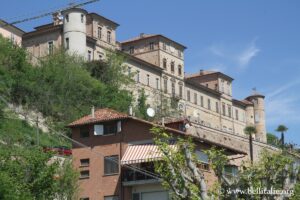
(101,115)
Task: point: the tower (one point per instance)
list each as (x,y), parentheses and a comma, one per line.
(259,116)
(74,31)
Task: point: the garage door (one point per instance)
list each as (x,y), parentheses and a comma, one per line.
(162,195)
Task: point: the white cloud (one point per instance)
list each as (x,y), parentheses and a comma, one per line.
(283,88)
(241,57)
(247,54)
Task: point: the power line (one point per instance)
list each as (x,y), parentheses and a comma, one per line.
(49,13)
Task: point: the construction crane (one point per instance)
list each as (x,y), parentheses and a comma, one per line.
(73,5)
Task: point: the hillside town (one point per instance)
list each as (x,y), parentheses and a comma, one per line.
(116,152)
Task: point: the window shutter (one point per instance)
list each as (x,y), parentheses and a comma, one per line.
(119,129)
(98,130)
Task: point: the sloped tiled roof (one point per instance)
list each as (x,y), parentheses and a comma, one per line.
(202,73)
(104,114)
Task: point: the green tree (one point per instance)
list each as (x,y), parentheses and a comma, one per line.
(141,108)
(250,130)
(26,173)
(282,129)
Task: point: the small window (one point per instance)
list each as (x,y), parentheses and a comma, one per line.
(157,83)
(179,70)
(131,50)
(188,95)
(237,114)
(223,109)
(217,107)
(151,45)
(173,89)
(164,46)
(165,63)
(111,165)
(67,43)
(180,91)
(179,53)
(67,18)
(111,198)
(108,36)
(84,162)
(84,174)
(229,111)
(148,80)
(195,98)
(136,196)
(50,48)
(82,18)
(84,132)
(172,66)
(202,157)
(165,85)
(99,32)
(201,101)
(208,104)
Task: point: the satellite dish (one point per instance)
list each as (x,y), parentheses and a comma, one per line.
(150,112)
(187,126)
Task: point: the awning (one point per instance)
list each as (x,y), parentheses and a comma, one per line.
(141,153)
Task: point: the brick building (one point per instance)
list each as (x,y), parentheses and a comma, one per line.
(115,142)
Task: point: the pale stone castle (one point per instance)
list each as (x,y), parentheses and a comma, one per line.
(205,98)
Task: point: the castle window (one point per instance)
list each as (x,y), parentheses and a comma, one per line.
(201,101)
(172,66)
(223,109)
(165,63)
(229,111)
(157,83)
(180,91)
(131,50)
(237,114)
(111,165)
(217,107)
(151,45)
(67,43)
(108,36)
(208,104)
(188,95)
(195,98)
(99,32)
(81,18)
(67,18)
(179,70)
(50,47)
(165,85)
(173,89)
(148,79)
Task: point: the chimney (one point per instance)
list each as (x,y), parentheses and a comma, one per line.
(93,112)
(130,111)
(142,35)
(201,71)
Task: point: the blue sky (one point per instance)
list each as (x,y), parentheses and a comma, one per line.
(256,42)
